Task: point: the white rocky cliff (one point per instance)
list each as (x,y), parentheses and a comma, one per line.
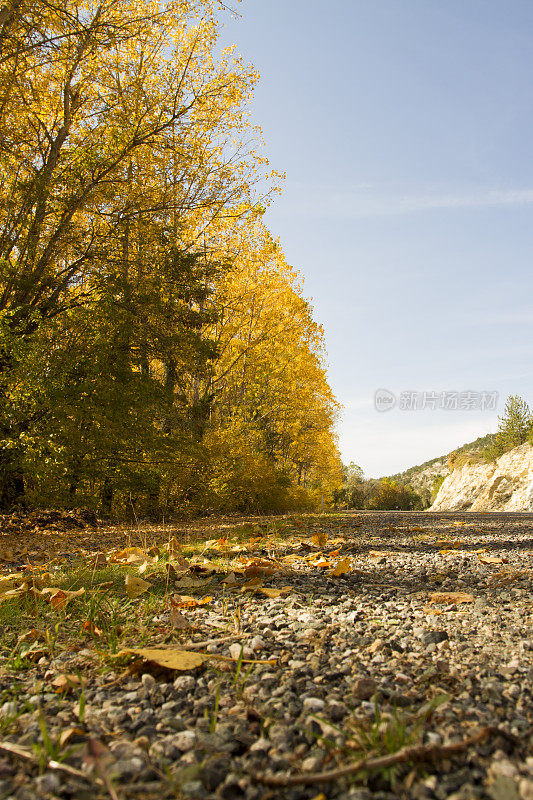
(502,485)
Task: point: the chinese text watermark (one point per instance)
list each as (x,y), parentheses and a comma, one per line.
(468,400)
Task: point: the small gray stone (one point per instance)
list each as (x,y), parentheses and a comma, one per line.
(434,637)
(49,783)
(185,683)
(314,704)
(148,681)
(194,789)
(185,740)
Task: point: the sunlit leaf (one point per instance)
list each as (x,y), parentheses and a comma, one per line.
(275,592)
(319,539)
(59,598)
(342,567)
(185,601)
(179,660)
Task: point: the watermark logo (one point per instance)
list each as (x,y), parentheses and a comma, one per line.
(384,400)
(468,400)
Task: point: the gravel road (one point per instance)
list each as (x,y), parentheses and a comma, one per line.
(427,639)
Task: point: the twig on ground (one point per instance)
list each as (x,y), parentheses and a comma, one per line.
(27,755)
(206,642)
(406,754)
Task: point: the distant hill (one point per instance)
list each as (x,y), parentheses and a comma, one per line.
(422,476)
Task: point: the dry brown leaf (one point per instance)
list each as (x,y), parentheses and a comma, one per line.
(135,586)
(89,627)
(35,635)
(180,660)
(275,592)
(10,581)
(450,544)
(68,734)
(185,601)
(188,582)
(58,598)
(319,539)
(10,594)
(450,597)
(291,559)
(177,619)
(508,576)
(141,558)
(128,556)
(255,571)
(431,610)
(206,566)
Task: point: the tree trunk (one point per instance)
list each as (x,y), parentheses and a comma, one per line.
(12,489)
(106,497)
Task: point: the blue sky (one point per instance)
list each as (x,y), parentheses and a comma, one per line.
(406,133)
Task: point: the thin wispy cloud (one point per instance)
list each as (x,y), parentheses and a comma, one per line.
(365,201)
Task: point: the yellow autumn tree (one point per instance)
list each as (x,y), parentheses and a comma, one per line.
(156,351)
(122,140)
(269,381)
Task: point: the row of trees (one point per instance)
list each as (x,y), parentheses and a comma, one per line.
(156,352)
(378,494)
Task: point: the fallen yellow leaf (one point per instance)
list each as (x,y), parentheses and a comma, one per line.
(9,581)
(276,592)
(342,567)
(169,659)
(128,556)
(135,586)
(319,539)
(188,582)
